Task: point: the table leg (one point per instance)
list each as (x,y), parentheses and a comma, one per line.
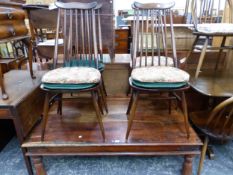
(4,94)
(39,167)
(27,161)
(188,165)
(21,138)
(28,43)
(202,56)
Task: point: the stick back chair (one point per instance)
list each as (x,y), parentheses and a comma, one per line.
(153,70)
(84,47)
(77,23)
(208,19)
(216,124)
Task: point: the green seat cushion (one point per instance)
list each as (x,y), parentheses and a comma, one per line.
(83,63)
(158,85)
(67,86)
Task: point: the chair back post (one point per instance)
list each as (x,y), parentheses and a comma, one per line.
(150,36)
(173,41)
(208,11)
(56,40)
(99,37)
(186,8)
(221,119)
(194,13)
(79,23)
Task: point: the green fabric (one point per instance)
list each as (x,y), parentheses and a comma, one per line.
(67,86)
(83,63)
(158,84)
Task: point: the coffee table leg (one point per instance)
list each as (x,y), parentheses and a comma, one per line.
(27,162)
(188,165)
(39,167)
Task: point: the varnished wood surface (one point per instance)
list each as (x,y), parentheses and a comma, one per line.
(154,131)
(213,83)
(19,84)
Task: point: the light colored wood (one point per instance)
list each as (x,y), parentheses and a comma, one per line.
(202,56)
(203,153)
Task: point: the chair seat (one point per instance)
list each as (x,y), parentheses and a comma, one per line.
(163,61)
(199,120)
(160,74)
(215,28)
(60,86)
(71,78)
(159,85)
(84,63)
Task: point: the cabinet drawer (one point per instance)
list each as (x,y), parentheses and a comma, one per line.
(5,114)
(121,45)
(121,34)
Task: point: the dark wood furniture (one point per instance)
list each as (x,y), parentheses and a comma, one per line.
(213,83)
(82,47)
(216,124)
(24,92)
(122,41)
(216,85)
(76,134)
(13,28)
(41,20)
(150,50)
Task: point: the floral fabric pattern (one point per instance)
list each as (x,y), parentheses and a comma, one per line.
(160,74)
(72,75)
(215,28)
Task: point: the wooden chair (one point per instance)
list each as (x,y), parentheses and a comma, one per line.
(216,124)
(101,66)
(42,18)
(80,73)
(207,16)
(153,70)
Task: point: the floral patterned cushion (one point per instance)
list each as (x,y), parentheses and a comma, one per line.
(215,28)
(159,74)
(163,60)
(72,75)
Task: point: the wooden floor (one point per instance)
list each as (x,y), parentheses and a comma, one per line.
(154,131)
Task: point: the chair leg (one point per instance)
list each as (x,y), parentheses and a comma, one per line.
(202,56)
(103,85)
(132,113)
(2,85)
(203,153)
(185,113)
(169,104)
(191,51)
(100,102)
(97,110)
(103,97)
(45,116)
(130,104)
(220,52)
(59,108)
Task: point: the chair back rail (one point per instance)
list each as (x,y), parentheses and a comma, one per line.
(220,121)
(80,26)
(209,11)
(150,35)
